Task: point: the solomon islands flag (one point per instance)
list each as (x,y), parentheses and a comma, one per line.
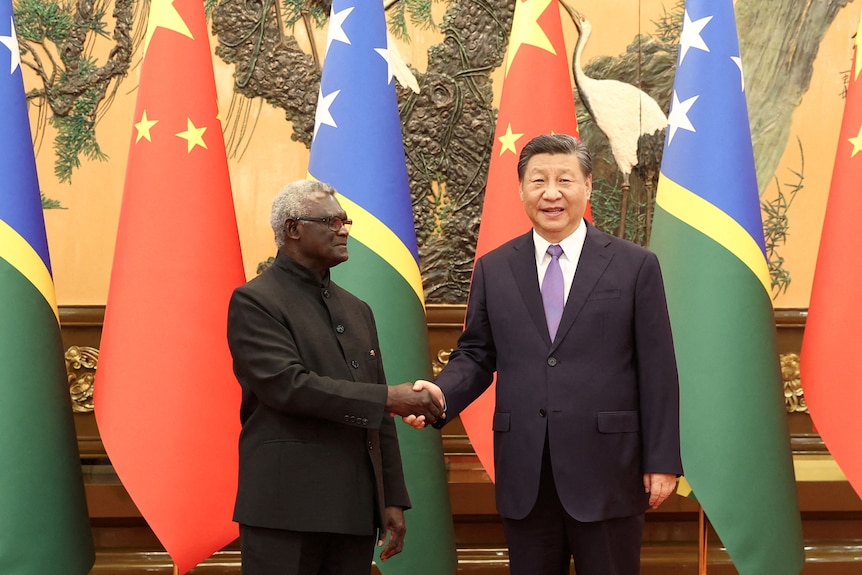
(708,234)
(44,525)
(358,149)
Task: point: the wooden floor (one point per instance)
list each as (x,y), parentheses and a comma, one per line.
(839,558)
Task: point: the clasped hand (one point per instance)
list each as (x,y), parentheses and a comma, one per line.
(417,403)
(416,420)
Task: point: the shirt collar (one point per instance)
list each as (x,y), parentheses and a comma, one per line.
(572,244)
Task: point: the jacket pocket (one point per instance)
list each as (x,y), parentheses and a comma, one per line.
(604,294)
(501,421)
(618,422)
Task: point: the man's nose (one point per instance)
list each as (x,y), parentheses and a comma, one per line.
(552,191)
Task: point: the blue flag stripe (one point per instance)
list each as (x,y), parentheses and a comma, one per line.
(358,163)
(21,211)
(712,79)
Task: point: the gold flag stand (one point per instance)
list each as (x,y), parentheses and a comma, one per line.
(702,540)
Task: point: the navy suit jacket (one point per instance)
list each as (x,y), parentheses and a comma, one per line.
(605,390)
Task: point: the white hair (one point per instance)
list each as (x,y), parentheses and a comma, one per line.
(291,202)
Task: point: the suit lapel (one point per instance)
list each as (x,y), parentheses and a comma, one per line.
(594,259)
(522,262)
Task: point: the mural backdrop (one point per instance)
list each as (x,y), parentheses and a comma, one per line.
(82,61)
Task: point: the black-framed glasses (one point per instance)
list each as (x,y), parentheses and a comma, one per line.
(334,223)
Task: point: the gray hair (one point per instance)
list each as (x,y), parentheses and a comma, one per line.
(291,202)
(555,144)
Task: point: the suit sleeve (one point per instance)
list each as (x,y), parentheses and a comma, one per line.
(267,364)
(657,373)
(472,364)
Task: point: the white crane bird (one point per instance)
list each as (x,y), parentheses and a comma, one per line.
(622,111)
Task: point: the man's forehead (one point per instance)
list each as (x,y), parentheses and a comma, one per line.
(542,161)
(325,202)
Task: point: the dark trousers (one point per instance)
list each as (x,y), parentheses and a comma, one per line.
(544,542)
(281,552)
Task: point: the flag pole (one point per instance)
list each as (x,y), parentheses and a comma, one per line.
(702,540)
(176,571)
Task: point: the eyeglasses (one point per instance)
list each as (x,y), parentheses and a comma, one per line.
(334,223)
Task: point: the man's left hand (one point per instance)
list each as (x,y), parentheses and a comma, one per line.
(659,486)
(395,527)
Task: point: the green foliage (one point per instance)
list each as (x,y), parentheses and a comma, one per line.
(605,206)
(419,12)
(76,133)
(667,27)
(50,204)
(776,226)
(317,11)
(40,21)
(209,6)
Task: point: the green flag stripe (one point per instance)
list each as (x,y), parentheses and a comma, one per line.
(714,223)
(21,255)
(734,440)
(403,336)
(44,525)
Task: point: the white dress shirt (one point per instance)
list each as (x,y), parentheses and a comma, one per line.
(572,247)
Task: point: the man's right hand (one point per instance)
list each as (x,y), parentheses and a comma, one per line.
(418,421)
(404,401)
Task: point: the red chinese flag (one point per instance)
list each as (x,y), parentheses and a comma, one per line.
(536,99)
(167,404)
(834,326)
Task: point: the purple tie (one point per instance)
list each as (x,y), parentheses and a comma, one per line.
(552,291)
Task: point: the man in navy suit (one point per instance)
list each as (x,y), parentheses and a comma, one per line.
(586,424)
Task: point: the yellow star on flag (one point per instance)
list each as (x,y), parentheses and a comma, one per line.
(857,143)
(508,140)
(527,30)
(163,14)
(143,127)
(194,136)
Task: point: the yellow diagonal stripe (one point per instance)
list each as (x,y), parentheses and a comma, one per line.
(369,230)
(21,255)
(713,223)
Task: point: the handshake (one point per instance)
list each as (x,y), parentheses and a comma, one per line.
(417,403)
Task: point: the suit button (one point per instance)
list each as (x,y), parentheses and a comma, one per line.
(339,328)
(370,446)
(346,419)
(542,412)
(326,293)
(354,364)
(552,361)
(364,421)
(352,419)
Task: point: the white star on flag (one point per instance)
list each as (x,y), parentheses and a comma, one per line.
(323,115)
(690,37)
(11,42)
(387,55)
(336,30)
(678,118)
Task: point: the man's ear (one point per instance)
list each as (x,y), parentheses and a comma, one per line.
(291,229)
